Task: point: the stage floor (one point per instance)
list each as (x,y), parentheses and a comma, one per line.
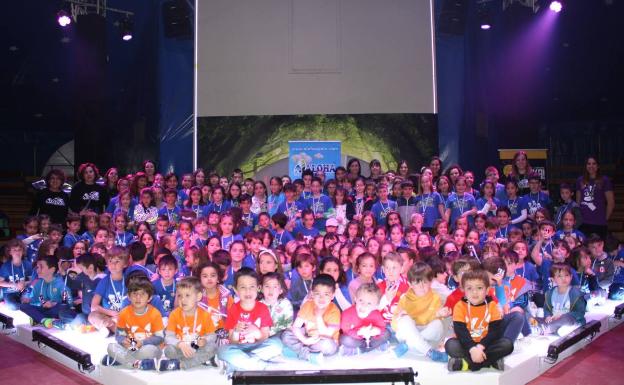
(525,364)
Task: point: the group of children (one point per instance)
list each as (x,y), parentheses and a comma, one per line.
(310,270)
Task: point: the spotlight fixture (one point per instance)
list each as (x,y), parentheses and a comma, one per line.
(556,6)
(125,26)
(63,18)
(484,14)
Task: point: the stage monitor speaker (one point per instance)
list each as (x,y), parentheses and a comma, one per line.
(588,330)
(350,376)
(82,358)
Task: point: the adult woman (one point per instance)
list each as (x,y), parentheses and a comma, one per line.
(86,194)
(110,181)
(138,183)
(435,164)
(520,170)
(454,172)
(402,169)
(52,200)
(149,168)
(375,170)
(199,177)
(354,169)
(594,194)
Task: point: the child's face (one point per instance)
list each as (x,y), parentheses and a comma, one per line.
(44,271)
(167,272)
(585,260)
(31,227)
(365,303)
(322,296)
(534,186)
(521,250)
(407,263)
(539,216)
(115,265)
(104,221)
(44,225)
(443,229)
(441,277)
(475,291)
(566,194)
(385,249)
(185,230)
(423,241)
(306,270)
(510,268)
(101,236)
(237,252)
(380,234)
(511,190)
(267,264)
(367,267)
(246,289)
(457,277)
(245,206)
(161,226)
(462,223)
(189,257)
(459,237)
(73,226)
(255,245)
(396,234)
(187,299)
(393,270)
(373,246)
(420,288)
(383,193)
(201,228)
(16,253)
(412,238)
(308,221)
(547,232)
(209,278)
(344,257)
(568,220)
(367,221)
(460,187)
(502,218)
(213,219)
(139,299)
(187,181)
(488,190)
(170,199)
(332,269)
(271,289)
(560,253)
(289,194)
(473,238)
(315,187)
(55,236)
(120,223)
(562,279)
(217,196)
(479,223)
(227,225)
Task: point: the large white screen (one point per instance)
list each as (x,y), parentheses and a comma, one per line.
(285,57)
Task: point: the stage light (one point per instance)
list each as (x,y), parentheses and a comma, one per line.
(63,18)
(556,6)
(484,14)
(618,311)
(6,321)
(82,358)
(399,375)
(588,330)
(125,25)
(485,26)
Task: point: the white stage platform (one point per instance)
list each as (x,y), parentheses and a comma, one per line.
(526,363)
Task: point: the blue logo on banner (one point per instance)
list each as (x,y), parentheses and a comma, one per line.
(317,156)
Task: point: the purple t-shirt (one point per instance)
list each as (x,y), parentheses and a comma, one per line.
(593,200)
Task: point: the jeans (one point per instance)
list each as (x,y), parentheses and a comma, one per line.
(495,351)
(203,354)
(37,313)
(248,356)
(419,338)
(552,327)
(127,357)
(616,291)
(375,342)
(326,346)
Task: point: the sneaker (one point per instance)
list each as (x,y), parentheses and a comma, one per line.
(58,324)
(437,355)
(169,365)
(288,352)
(211,363)
(109,361)
(499,364)
(537,330)
(145,364)
(47,322)
(401,349)
(455,364)
(86,329)
(316,358)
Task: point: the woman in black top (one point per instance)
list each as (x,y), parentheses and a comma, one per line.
(52,200)
(86,193)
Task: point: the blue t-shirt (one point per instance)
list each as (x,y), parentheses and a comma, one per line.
(166,294)
(123,239)
(574,233)
(291,209)
(319,205)
(218,208)
(503,232)
(150,274)
(282,238)
(481,203)
(618,274)
(32,249)
(528,272)
(381,210)
(172,214)
(227,241)
(537,201)
(428,205)
(547,282)
(458,206)
(112,292)
(12,273)
(273,202)
(308,234)
(87,236)
(500,193)
(69,240)
(87,287)
(52,291)
(515,206)
(250,220)
(249,261)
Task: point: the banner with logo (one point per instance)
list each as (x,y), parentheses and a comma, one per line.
(313,155)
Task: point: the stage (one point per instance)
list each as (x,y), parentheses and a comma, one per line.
(526,363)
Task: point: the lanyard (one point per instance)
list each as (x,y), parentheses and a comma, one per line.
(425,203)
(118,295)
(196,210)
(120,241)
(170,213)
(485,316)
(305,286)
(165,288)
(23,272)
(460,203)
(214,204)
(561,212)
(289,209)
(314,204)
(49,291)
(194,323)
(359,205)
(223,239)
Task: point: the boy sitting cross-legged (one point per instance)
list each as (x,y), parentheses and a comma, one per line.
(190,331)
(478,325)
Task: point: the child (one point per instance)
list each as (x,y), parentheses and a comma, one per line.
(393,286)
(138,259)
(248,323)
(110,292)
(73,226)
(518,206)
(383,206)
(227,229)
(407,202)
(429,203)
(568,205)
(268,262)
(307,230)
(15,274)
(314,334)
(440,283)
(188,346)
(331,266)
(301,279)
(460,204)
(581,261)
(478,326)
(318,203)
(49,297)
(122,237)
(488,203)
(365,267)
(536,199)
(567,226)
(458,268)
(291,207)
(502,218)
(216,298)
(250,219)
(165,287)
(564,308)
(162,226)
(91,268)
(32,237)
(274,296)
(525,268)
(602,265)
(140,330)
(416,320)
(281,237)
(363,327)
(171,209)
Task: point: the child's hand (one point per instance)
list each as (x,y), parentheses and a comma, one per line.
(506,309)
(311,340)
(201,342)
(443,312)
(549,319)
(391,292)
(48,305)
(477,355)
(19,286)
(240,327)
(126,343)
(186,349)
(498,278)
